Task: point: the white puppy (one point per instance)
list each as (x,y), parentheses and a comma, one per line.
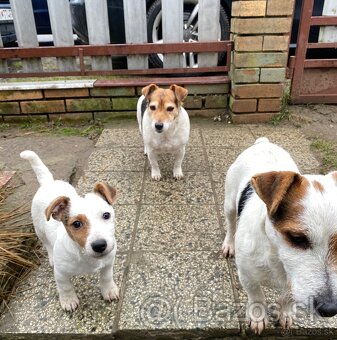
(285,230)
(164,125)
(77,232)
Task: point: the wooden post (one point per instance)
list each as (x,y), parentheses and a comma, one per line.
(98,30)
(135,30)
(25,30)
(173,21)
(61,26)
(3,62)
(209,15)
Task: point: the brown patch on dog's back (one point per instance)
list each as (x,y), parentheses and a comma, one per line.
(318,186)
(79,235)
(332,253)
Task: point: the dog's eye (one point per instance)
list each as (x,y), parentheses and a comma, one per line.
(106,215)
(152,107)
(170,108)
(77,224)
(298,240)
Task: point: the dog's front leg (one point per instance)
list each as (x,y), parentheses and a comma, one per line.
(68,298)
(256,311)
(288,309)
(155,172)
(179,156)
(108,286)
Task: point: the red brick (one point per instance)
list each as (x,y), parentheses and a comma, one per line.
(43,106)
(20,95)
(250,118)
(9,108)
(242,105)
(258,91)
(249,8)
(248,44)
(270,105)
(261,25)
(280,7)
(276,43)
(66,93)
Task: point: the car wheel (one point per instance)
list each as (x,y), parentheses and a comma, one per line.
(191,8)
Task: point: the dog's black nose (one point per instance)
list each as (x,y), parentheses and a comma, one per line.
(325,307)
(99,246)
(159,126)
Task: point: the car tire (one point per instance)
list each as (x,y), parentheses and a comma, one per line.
(154,24)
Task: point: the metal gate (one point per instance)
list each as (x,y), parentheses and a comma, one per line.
(314,79)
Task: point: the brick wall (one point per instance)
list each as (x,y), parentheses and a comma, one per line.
(100,102)
(260,31)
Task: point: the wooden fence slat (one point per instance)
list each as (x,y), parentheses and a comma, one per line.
(25,30)
(328,34)
(209,14)
(98,30)
(135,30)
(61,26)
(172,22)
(3,62)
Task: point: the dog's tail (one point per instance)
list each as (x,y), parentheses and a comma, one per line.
(262,140)
(42,173)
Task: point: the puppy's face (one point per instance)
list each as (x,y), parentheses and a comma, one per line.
(163,105)
(89,221)
(302,225)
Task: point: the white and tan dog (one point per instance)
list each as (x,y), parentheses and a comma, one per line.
(164,125)
(283,227)
(77,232)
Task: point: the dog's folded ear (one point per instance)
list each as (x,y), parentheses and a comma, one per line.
(147,90)
(58,209)
(180,92)
(107,192)
(273,187)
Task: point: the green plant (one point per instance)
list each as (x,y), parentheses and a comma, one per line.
(328,153)
(284,111)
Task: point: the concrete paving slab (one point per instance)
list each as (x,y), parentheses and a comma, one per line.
(115,138)
(184,290)
(128,184)
(233,137)
(116,159)
(194,161)
(195,188)
(36,308)
(177,228)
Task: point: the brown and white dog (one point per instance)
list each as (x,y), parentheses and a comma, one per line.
(77,232)
(164,125)
(283,227)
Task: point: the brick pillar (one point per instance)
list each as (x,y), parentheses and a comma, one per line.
(260,31)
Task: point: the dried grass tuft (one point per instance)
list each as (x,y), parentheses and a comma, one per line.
(17,245)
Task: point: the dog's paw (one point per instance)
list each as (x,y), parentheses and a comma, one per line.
(228,248)
(285,320)
(156,177)
(69,303)
(178,174)
(258,325)
(110,294)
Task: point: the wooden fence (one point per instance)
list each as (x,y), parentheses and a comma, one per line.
(72,60)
